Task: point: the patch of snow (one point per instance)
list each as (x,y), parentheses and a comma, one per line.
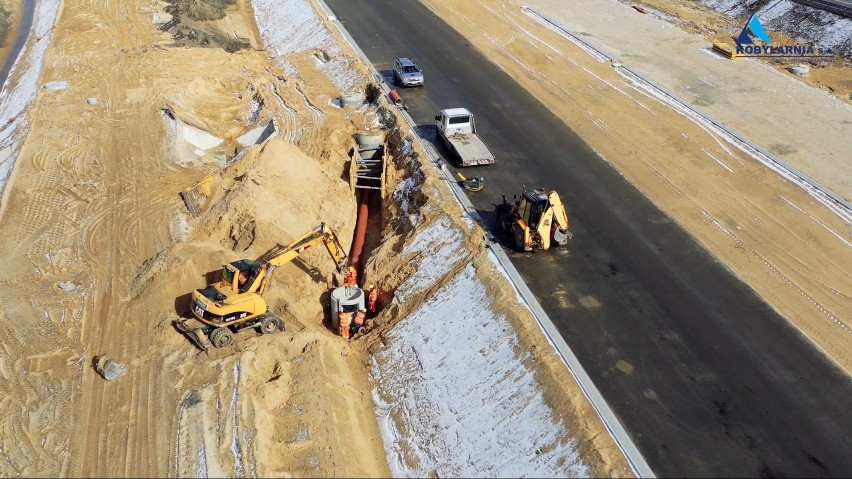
(254,110)
(234,412)
(440,244)
(407,147)
(179,227)
(454,397)
(341,71)
(202,460)
(55,85)
(293,26)
(290,26)
(403,193)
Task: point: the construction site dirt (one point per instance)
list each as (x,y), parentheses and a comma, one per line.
(165,139)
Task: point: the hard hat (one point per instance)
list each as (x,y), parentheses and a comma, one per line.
(371,286)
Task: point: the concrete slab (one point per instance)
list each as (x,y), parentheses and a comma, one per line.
(803,126)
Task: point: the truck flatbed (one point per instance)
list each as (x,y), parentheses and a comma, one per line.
(471,150)
(456,126)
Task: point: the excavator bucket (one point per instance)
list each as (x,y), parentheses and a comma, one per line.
(472,184)
(195,330)
(109,369)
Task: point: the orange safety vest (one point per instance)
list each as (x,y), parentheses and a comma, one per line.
(350,277)
(345,320)
(360,316)
(372,298)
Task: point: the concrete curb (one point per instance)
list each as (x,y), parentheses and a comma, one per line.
(637,462)
(822,193)
(844,9)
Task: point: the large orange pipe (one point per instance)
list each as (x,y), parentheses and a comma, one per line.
(360,233)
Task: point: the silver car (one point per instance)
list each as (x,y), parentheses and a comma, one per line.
(406,72)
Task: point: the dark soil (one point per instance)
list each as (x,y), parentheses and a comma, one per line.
(5,24)
(192,24)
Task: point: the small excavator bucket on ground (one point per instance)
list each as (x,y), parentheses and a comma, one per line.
(109,369)
(195,330)
(472,184)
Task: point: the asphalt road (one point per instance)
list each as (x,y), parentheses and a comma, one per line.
(707,379)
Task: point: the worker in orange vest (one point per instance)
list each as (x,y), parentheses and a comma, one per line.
(360,317)
(345,320)
(372,298)
(350,277)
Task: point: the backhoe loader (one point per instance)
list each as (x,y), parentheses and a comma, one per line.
(535,220)
(236,302)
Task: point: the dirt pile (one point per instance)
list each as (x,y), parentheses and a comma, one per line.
(195,22)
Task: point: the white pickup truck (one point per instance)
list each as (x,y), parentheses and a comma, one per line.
(456,127)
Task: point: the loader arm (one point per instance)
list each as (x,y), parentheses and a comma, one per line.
(560,217)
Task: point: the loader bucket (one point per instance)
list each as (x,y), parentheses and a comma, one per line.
(195,330)
(109,369)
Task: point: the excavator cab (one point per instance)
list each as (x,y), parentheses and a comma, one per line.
(535,220)
(242,275)
(532,205)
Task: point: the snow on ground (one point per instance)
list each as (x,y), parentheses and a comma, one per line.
(804,23)
(442,245)
(455,399)
(293,26)
(17,94)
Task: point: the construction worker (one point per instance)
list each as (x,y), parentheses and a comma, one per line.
(360,318)
(350,277)
(345,320)
(372,298)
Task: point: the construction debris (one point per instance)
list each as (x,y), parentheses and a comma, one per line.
(108,368)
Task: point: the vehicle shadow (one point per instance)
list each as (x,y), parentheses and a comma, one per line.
(428,133)
(388,77)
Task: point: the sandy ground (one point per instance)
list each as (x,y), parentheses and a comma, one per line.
(104,251)
(10,22)
(107,253)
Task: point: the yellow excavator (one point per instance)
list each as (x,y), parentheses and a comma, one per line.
(236,302)
(536,220)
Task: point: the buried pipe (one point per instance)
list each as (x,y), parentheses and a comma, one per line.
(360,234)
(396,99)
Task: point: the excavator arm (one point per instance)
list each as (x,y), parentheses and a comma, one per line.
(320,234)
